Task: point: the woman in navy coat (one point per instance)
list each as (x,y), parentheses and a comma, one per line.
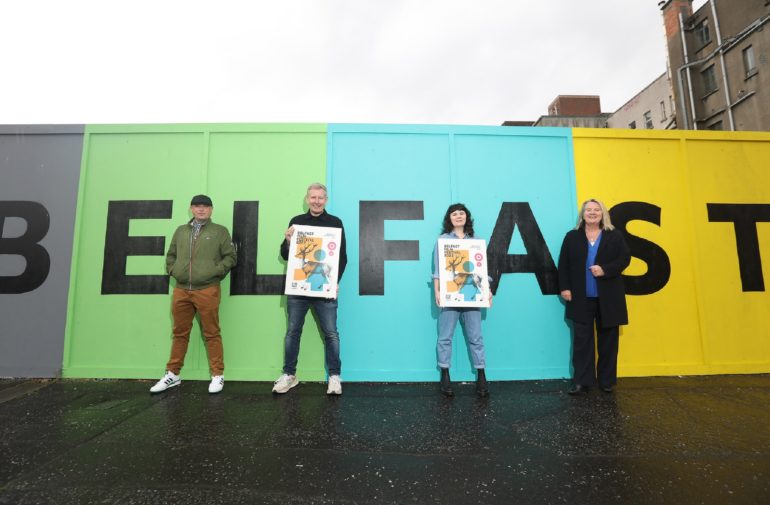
(592,258)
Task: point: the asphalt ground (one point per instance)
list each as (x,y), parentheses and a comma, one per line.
(667,440)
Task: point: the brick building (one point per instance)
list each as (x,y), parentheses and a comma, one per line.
(718,63)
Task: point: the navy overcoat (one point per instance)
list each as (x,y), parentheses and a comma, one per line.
(613,256)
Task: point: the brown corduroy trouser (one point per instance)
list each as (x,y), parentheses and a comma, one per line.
(183,307)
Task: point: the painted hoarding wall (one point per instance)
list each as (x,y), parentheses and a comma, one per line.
(701,201)
(394,183)
(39,169)
(138,183)
(694,205)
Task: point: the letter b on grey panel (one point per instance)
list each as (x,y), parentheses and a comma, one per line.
(39,172)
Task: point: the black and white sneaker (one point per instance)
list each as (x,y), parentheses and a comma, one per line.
(167,381)
(217,383)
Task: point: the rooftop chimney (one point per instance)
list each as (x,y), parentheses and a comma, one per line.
(671,10)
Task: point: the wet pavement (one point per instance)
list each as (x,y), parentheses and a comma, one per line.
(654,440)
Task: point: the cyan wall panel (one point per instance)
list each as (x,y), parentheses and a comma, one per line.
(525,333)
(391,335)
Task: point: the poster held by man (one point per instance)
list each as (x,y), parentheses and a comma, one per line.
(313,265)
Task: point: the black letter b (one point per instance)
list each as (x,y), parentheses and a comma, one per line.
(27,246)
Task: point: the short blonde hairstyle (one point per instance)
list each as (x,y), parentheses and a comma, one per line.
(317,185)
(606,223)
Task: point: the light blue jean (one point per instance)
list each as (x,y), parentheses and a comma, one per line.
(447,322)
(326,310)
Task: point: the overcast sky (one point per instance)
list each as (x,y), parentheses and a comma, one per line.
(379,61)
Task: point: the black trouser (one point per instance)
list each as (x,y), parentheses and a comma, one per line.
(583,349)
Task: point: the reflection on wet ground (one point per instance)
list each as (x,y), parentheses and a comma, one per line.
(654,440)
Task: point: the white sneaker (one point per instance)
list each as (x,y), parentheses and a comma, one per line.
(335,385)
(217,383)
(284,383)
(167,381)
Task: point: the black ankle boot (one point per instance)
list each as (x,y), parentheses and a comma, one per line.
(481,384)
(446,384)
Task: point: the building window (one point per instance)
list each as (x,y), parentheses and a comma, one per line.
(648,120)
(749,61)
(663,110)
(702,34)
(632,125)
(715,126)
(709,80)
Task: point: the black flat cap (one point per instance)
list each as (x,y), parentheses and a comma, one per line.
(201,200)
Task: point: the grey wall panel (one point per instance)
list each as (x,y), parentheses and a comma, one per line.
(39,173)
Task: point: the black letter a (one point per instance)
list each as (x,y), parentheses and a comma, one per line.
(537,260)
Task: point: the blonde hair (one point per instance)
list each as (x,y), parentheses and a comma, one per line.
(606,223)
(316,185)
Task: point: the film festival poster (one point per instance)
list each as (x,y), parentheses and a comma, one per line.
(313,266)
(463,279)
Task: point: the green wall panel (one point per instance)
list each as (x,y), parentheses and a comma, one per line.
(129,335)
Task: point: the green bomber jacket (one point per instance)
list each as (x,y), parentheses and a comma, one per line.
(203,262)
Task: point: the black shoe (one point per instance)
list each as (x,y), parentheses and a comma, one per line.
(606,389)
(481,384)
(446,384)
(577,389)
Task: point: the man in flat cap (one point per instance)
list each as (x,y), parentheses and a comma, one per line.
(199,257)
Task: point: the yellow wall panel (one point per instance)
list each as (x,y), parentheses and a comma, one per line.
(713,190)
(663,336)
(732,174)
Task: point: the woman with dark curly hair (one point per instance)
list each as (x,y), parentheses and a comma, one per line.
(458,224)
